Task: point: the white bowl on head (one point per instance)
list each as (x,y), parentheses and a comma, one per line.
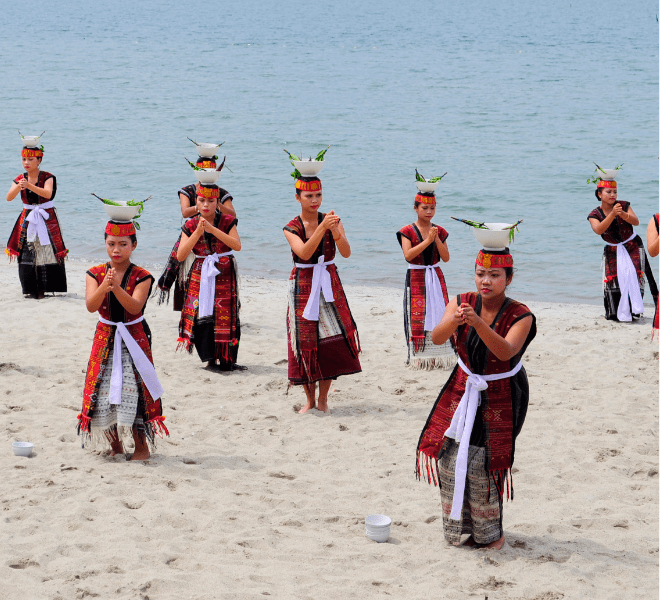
(309,168)
(426,187)
(22,448)
(207,176)
(30,141)
(607,174)
(121,213)
(496,237)
(207,150)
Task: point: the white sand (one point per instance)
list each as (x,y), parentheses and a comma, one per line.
(248,499)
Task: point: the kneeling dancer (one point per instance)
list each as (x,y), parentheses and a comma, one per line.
(122,392)
(467,445)
(323,341)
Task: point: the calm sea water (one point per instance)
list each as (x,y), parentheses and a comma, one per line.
(515,100)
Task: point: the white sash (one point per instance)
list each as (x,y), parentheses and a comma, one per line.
(461,425)
(36,221)
(140,360)
(628,282)
(207,283)
(435,301)
(320,281)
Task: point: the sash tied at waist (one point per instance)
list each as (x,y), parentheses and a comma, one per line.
(628,283)
(36,221)
(461,425)
(140,360)
(320,281)
(207,283)
(435,301)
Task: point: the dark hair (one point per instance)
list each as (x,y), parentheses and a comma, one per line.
(132,237)
(306,179)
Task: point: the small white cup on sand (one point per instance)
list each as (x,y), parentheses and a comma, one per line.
(22,448)
(378,527)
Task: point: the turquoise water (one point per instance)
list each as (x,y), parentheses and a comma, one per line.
(514,100)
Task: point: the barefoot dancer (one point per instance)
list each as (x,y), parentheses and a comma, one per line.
(210,314)
(624,259)
(424,245)
(122,391)
(175,272)
(323,339)
(36,240)
(467,445)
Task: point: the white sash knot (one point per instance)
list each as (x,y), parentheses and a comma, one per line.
(435,301)
(140,360)
(36,221)
(207,283)
(628,283)
(461,425)
(321,281)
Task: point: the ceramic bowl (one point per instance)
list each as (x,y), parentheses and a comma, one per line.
(493,238)
(207,176)
(121,213)
(308,168)
(30,141)
(22,448)
(426,187)
(207,150)
(608,175)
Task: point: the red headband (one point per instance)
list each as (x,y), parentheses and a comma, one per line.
(120,229)
(494,261)
(308,186)
(606,184)
(206,164)
(424,199)
(32,152)
(208,192)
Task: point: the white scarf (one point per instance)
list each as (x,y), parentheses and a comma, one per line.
(628,283)
(435,301)
(320,281)
(36,221)
(207,283)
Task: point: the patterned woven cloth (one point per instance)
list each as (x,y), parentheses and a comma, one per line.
(215,337)
(503,407)
(422,353)
(303,335)
(149,409)
(619,231)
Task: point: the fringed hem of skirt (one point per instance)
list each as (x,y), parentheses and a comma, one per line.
(184,343)
(429,364)
(163,296)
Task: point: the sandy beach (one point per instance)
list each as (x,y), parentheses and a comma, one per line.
(248,499)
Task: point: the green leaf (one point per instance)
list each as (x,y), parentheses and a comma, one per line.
(419,177)
(193,165)
(321,155)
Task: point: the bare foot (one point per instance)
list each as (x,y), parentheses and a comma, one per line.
(142,455)
(469,543)
(116,447)
(307,407)
(496,545)
(323,405)
(141,446)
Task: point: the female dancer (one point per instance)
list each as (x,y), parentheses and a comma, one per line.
(467,445)
(653,246)
(122,391)
(36,240)
(209,317)
(624,258)
(323,339)
(424,245)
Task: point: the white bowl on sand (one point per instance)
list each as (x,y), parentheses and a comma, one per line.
(426,187)
(379,536)
(22,448)
(378,527)
(309,168)
(30,141)
(493,238)
(121,213)
(207,176)
(207,150)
